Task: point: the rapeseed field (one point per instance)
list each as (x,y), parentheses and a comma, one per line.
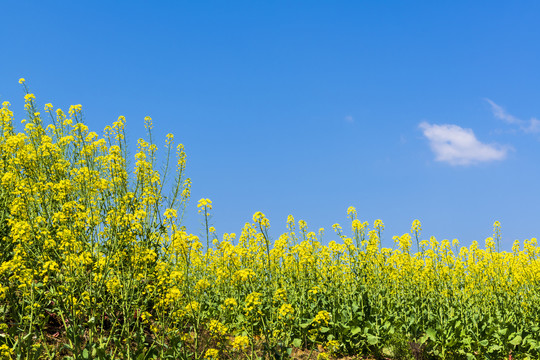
(96,264)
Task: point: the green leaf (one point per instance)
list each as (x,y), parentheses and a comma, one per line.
(356,330)
(372,339)
(85,354)
(324,329)
(297,343)
(431,333)
(516,341)
(484,343)
(493,348)
(533,344)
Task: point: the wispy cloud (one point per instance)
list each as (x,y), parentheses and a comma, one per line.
(530,126)
(349,119)
(458,146)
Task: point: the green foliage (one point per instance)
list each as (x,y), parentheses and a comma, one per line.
(95,264)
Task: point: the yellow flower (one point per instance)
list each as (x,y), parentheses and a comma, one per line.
(73,109)
(145,316)
(286,312)
(21,80)
(216,328)
(170,213)
(332,346)
(357,225)
(322,317)
(205,204)
(5,352)
(148,123)
(416,226)
(230,304)
(252,302)
(202,285)
(351,212)
(240,342)
(280,295)
(290,221)
(258,216)
(212,354)
(192,307)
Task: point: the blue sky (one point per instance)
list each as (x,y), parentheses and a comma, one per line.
(418,110)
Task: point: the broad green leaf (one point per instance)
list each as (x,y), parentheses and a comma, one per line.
(484,343)
(516,341)
(372,340)
(431,333)
(297,343)
(532,343)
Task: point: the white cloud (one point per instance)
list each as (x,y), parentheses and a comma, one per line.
(534,126)
(458,146)
(531,126)
(349,119)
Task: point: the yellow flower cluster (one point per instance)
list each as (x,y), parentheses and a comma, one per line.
(286,312)
(230,304)
(280,295)
(322,317)
(240,343)
(211,354)
(87,244)
(204,205)
(252,303)
(216,328)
